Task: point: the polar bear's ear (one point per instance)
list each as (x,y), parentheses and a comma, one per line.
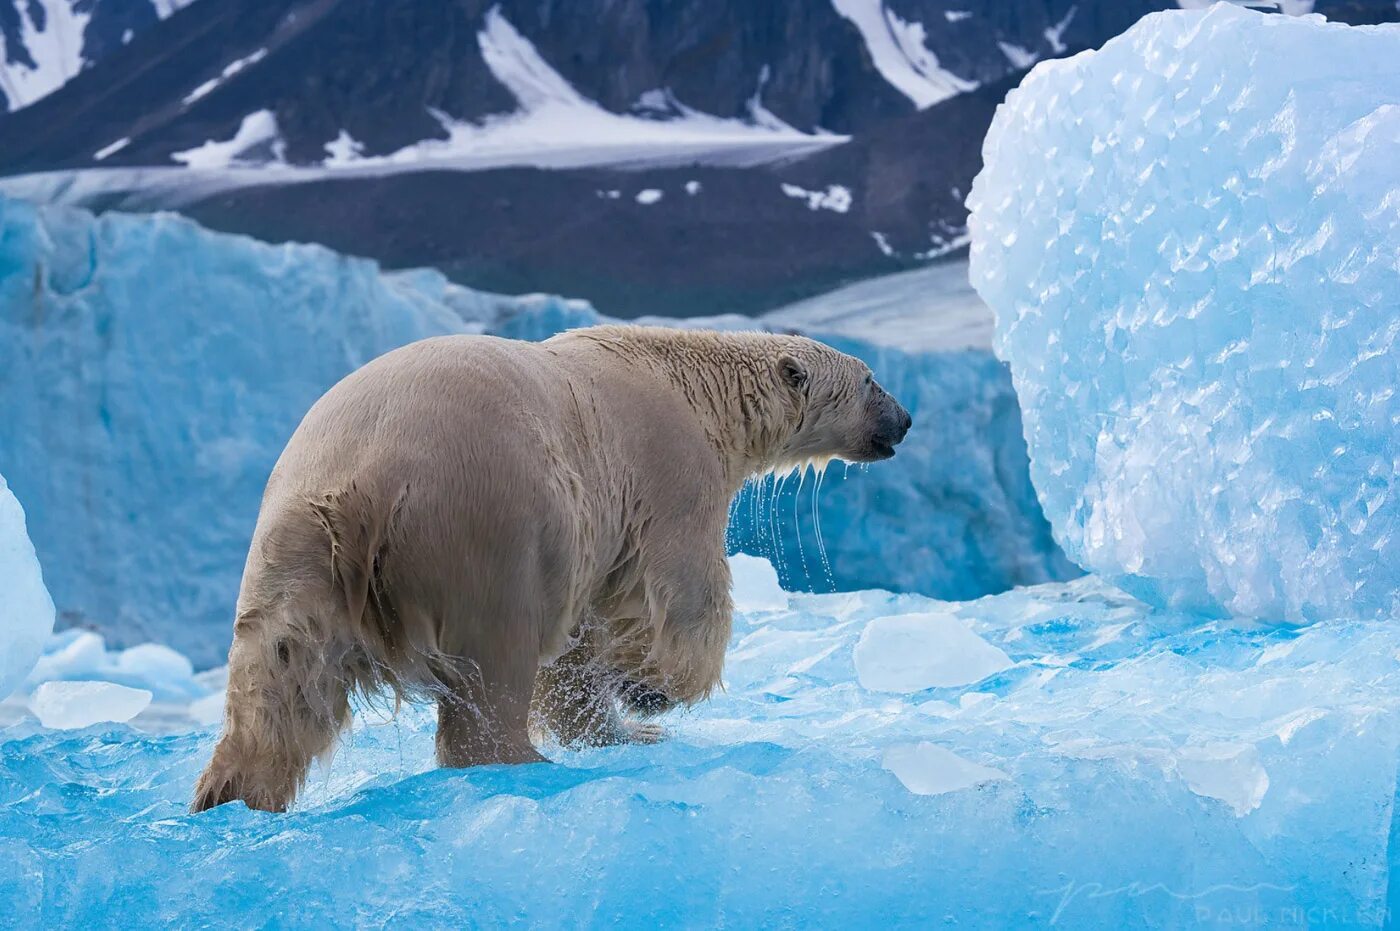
(793,372)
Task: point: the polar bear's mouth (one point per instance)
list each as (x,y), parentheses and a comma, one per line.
(881,450)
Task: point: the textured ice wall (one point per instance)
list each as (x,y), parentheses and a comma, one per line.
(151,371)
(26,611)
(1191,239)
(953,514)
(1113,767)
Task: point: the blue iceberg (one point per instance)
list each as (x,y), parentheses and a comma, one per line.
(151,371)
(1190,239)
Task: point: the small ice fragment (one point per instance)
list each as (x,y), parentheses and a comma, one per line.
(1229,772)
(928,769)
(913,652)
(69,705)
(692,188)
(648,197)
(755,586)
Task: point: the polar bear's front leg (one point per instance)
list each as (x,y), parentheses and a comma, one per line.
(690,615)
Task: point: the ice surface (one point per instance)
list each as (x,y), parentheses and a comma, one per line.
(178,362)
(1158,770)
(1190,239)
(71,705)
(913,652)
(26,610)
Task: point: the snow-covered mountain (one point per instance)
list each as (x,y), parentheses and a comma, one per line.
(47,42)
(671,156)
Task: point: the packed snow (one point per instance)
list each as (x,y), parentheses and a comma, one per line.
(899,51)
(26,610)
(1189,238)
(179,361)
(1132,767)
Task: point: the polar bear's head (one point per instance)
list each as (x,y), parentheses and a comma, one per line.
(840,411)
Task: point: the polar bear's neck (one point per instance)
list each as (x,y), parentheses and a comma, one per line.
(729,379)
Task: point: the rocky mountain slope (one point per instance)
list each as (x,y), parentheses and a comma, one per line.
(671,156)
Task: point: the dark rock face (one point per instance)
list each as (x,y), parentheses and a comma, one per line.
(387,73)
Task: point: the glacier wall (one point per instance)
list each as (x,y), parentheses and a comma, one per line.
(1191,239)
(151,371)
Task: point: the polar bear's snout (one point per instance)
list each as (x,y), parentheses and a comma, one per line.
(892,424)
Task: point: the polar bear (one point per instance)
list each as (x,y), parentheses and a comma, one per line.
(498,525)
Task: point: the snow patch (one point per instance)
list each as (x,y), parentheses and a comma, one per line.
(1021,58)
(1055,34)
(900,54)
(256,142)
(344,149)
(836,197)
(111,149)
(232,68)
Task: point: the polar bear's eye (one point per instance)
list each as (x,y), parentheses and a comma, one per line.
(869,380)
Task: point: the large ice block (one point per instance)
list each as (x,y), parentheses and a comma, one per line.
(26,610)
(1191,239)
